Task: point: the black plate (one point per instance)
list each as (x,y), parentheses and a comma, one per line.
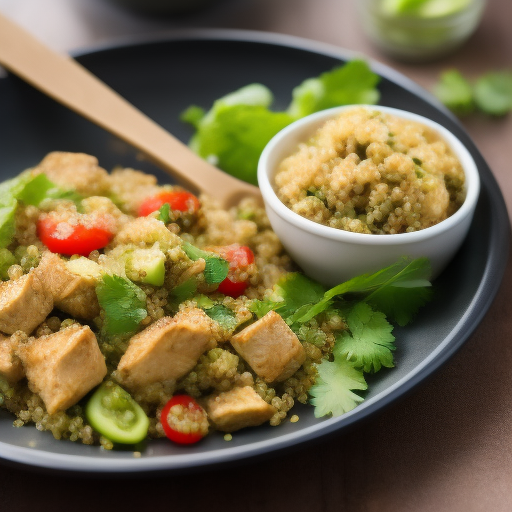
(164,77)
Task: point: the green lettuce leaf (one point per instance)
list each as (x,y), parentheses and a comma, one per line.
(352,83)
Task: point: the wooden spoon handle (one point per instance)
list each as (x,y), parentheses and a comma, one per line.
(69,83)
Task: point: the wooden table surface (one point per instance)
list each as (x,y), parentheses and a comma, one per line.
(446,447)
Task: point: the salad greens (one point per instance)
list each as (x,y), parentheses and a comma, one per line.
(368,303)
(233,133)
(490,93)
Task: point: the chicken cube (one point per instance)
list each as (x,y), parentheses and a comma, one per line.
(64,366)
(11,368)
(76,171)
(238,408)
(72,293)
(24,303)
(167,349)
(270,347)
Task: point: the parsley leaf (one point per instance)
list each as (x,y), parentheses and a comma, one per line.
(216,268)
(369,344)
(123,302)
(333,391)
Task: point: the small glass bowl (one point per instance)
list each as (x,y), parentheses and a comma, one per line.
(415,38)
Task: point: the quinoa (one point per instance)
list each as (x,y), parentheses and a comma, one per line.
(372,172)
(112,203)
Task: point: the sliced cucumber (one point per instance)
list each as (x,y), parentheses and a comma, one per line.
(112,412)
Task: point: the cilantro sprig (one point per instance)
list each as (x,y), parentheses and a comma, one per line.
(123,303)
(369,303)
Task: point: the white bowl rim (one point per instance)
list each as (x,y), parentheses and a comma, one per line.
(472,183)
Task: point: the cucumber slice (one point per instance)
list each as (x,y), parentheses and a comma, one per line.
(146,266)
(116,415)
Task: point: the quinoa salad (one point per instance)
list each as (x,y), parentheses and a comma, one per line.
(372,172)
(133,310)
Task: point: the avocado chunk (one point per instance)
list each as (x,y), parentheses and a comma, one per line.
(146,266)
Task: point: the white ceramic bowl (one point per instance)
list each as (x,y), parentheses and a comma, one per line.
(331,255)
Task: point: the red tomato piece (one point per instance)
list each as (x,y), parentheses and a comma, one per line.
(182,201)
(181,413)
(68,239)
(239,258)
(232,288)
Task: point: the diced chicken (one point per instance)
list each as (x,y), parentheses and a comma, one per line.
(64,366)
(238,408)
(76,171)
(167,349)
(10,365)
(24,303)
(270,347)
(72,293)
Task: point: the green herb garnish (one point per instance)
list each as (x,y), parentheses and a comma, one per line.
(123,303)
(216,268)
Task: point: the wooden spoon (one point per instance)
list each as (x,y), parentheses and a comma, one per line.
(63,79)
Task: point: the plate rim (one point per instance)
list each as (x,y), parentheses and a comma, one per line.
(32,457)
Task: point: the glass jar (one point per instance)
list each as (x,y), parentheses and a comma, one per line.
(419,30)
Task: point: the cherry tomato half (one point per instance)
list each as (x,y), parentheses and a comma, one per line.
(66,238)
(181,200)
(184,420)
(239,258)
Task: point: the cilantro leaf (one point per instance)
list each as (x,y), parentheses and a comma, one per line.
(223,316)
(369,344)
(351,83)
(403,281)
(455,92)
(216,268)
(296,290)
(493,93)
(333,391)
(123,302)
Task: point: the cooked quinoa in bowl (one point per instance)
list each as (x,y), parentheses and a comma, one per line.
(369,171)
